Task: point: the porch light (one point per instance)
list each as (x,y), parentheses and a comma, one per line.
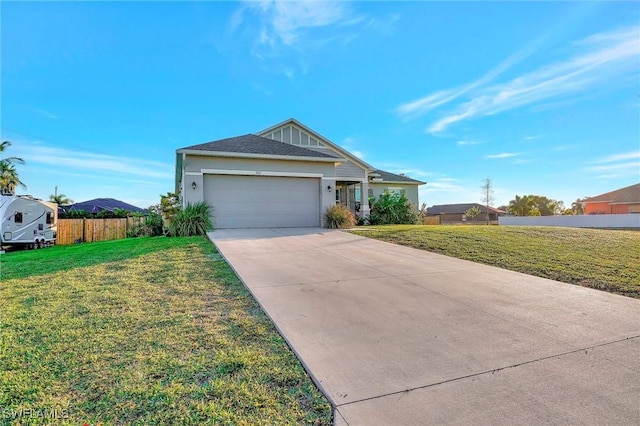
(329,188)
(193,185)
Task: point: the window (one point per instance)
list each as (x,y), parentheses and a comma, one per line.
(17,217)
(394,190)
(49,218)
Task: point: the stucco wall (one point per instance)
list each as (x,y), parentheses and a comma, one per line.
(411,191)
(196,164)
(577,221)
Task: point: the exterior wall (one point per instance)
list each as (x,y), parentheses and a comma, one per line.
(577,221)
(625,208)
(411,191)
(458,218)
(597,208)
(194,165)
(608,208)
(345,170)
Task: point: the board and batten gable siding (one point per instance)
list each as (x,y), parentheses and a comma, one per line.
(294,135)
(411,191)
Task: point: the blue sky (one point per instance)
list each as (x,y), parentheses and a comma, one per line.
(542,97)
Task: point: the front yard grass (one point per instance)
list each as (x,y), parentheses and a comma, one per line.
(603,259)
(142,331)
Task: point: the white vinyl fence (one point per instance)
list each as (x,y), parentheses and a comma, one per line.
(577,221)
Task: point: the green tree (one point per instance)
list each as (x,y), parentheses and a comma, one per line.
(9,178)
(472,212)
(520,206)
(170,205)
(534,211)
(60,199)
(577,207)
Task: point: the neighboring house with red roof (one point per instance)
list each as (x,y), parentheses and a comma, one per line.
(621,201)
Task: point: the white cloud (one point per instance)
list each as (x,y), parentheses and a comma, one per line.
(285,22)
(618,157)
(74,161)
(418,107)
(596,61)
(466,143)
(562,148)
(502,155)
(633,166)
(617,165)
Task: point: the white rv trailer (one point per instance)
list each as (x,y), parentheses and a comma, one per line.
(27,220)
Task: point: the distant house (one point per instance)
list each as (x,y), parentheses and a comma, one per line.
(98,205)
(450,213)
(621,201)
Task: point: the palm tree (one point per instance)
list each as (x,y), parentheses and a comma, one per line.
(9,179)
(520,206)
(59,199)
(577,207)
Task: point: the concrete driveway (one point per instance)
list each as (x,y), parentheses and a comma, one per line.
(398,336)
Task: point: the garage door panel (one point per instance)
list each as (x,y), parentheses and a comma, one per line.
(261,201)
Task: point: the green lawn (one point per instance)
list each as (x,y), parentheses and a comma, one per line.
(142,331)
(603,259)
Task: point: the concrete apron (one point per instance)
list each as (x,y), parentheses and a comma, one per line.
(394,335)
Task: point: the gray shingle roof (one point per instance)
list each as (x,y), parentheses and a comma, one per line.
(109,204)
(392,177)
(253,144)
(458,209)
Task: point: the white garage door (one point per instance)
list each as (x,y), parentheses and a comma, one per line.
(263,201)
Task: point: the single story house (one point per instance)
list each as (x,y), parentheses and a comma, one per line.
(621,201)
(284,176)
(98,205)
(450,213)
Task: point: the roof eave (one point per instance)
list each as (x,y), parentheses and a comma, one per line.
(259,156)
(403,182)
(324,139)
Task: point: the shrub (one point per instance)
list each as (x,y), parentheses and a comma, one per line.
(393,209)
(194,219)
(153,221)
(339,217)
(77,214)
(151,227)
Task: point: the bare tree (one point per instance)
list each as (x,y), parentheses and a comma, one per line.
(487,194)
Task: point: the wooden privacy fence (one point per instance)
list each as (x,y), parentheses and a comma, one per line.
(89,230)
(431,220)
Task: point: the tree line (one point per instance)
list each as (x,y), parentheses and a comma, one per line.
(539,205)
